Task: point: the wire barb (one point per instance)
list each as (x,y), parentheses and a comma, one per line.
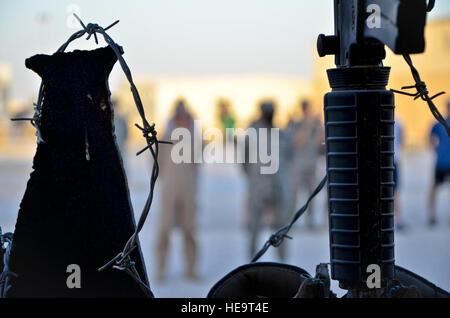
(36,119)
(149,134)
(422,92)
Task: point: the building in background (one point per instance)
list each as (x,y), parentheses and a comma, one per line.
(204,93)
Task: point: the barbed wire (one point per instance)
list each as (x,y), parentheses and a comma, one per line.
(36,119)
(422,92)
(421,87)
(122,261)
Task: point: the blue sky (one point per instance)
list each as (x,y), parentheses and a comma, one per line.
(175,36)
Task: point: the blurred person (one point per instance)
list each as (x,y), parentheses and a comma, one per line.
(226,118)
(398,143)
(441,144)
(263,201)
(307,138)
(120,127)
(179,190)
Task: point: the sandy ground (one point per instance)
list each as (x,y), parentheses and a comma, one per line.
(222,237)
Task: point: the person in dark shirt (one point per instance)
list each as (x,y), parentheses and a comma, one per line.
(441,144)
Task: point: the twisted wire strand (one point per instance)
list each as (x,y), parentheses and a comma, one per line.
(36,119)
(422,93)
(421,87)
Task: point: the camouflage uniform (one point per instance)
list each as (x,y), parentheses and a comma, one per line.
(264,191)
(304,163)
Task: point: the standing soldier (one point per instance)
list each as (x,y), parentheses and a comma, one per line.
(264,200)
(179,190)
(307,139)
(226,118)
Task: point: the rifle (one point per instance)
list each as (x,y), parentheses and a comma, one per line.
(359,129)
(359,138)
